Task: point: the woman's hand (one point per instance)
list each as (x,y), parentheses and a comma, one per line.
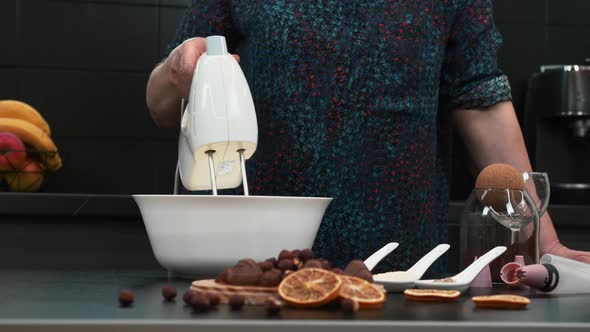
(550,243)
(559,249)
(171,81)
(181,63)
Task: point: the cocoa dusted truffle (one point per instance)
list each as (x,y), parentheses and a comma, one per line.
(273,261)
(357,268)
(285,254)
(265,266)
(287,264)
(306,254)
(271,278)
(246,273)
(313,263)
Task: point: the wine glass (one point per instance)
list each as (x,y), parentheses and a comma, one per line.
(537,184)
(508,207)
(493,217)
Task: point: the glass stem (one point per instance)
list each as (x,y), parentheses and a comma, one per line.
(514,236)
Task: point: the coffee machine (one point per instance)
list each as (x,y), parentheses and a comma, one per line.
(557,130)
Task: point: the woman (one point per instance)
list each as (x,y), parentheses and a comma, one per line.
(353,100)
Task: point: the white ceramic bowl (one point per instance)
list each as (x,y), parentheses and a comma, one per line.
(203,234)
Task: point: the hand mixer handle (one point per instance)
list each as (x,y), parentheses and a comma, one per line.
(219,128)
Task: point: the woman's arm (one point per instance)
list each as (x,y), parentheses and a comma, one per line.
(493,135)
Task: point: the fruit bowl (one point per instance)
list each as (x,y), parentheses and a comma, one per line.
(196,235)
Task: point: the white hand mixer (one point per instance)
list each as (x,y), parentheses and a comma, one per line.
(218,129)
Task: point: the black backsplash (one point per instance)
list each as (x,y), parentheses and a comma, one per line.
(84,64)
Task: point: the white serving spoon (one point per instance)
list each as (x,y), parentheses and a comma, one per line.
(462,280)
(376,257)
(399,281)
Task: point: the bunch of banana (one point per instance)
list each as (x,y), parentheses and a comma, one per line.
(25,122)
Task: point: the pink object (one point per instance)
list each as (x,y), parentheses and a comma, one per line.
(483,279)
(520,260)
(535,275)
(508,274)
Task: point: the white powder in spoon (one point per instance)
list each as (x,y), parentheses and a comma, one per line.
(396,276)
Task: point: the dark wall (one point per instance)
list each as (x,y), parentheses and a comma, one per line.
(85,64)
(535,33)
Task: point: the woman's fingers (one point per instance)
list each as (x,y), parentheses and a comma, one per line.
(183,60)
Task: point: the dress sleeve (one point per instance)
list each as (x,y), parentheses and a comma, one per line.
(470,75)
(205,18)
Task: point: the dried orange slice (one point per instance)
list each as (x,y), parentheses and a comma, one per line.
(432,295)
(501,301)
(310,287)
(365,293)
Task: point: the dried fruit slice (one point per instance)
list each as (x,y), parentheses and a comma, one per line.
(310,287)
(365,293)
(432,295)
(501,301)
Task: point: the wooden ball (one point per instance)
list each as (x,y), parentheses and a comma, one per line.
(500,178)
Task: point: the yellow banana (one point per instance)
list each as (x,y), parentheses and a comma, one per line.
(35,137)
(18,110)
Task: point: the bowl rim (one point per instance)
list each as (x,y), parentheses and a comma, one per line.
(219,197)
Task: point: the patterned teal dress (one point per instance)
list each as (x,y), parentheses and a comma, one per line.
(352,99)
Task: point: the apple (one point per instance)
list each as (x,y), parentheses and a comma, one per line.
(12,152)
(28,178)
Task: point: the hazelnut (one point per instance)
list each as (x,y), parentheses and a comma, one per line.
(337,270)
(199,302)
(296,253)
(214,298)
(270,278)
(273,305)
(285,254)
(265,266)
(186,297)
(286,264)
(349,306)
(306,254)
(236,301)
(126,297)
(169,292)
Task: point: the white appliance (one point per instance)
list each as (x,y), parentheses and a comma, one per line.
(218,128)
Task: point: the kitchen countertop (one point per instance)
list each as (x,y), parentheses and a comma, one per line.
(75,301)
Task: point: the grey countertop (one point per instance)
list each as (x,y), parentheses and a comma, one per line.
(75,301)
